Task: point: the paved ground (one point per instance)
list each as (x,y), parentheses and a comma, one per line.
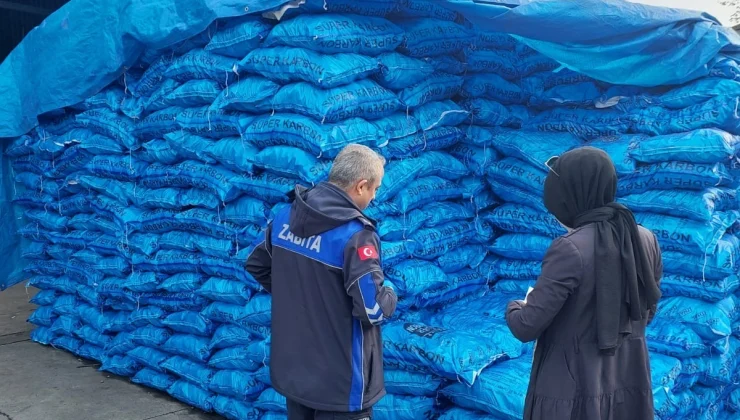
(42,383)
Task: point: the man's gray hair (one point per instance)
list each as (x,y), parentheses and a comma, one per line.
(353,164)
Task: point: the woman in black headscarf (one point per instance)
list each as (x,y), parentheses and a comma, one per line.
(598,290)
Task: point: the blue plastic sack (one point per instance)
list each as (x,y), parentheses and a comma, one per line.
(699,146)
(182,282)
(520,219)
(232,152)
(192,395)
(711,321)
(91,335)
(664,370)
(185,241)
(364,99)
(426,37)
(228,336)
(286,129)
(148,357)
(201,64)
(190,346)
(459,285)
(288,65)
(110,124)
(43,316)
(147,315)
(492,86)
(192,93)
(333,33)
(500,390)
(104,321)
(455,355)
(413,277)
(457,413)
(441,212)
(189,322)
(468,256)
(673,285)
(435,87)
(404,407)
(66,305)
(676,175)
(42,335)
(120,365)
(533,148)
(141,282)
(476,158)
(245,358)
(394,252)
(689,236)
(224,290)
(399,382)
(582,123)
(272,402)
(153,379)
(518,174)
(396,228)
(509,65)
(521,246)
(91,352)
(121,344)
(426,8)
(65,325)
(238,37)
(489,113)
(66,342)
(209,122)
(692,369)
(236,384)
(396,126)
(124,168)
(618,148)
(44,297)
(433,242)
(443,113)
(233,409)
(398,71)
(150,336)
(719,112)
(415,144)
(495,267)
(424,191)
(187,369)
(513,286)
(292,162)
(697,205)
(244,95)
(721,367)
(192,174)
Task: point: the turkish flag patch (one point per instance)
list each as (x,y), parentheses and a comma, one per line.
(367,252)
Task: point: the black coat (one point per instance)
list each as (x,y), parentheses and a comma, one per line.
(320,261)
(570,379)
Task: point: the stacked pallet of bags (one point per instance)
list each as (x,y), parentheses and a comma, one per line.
(143,201)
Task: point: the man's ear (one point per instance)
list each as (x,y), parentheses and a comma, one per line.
(364,183)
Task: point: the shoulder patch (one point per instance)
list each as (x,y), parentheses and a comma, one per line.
(367,252)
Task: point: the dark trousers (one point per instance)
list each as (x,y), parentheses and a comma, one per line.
(300,412)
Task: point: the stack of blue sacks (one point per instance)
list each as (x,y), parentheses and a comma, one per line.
(143,201)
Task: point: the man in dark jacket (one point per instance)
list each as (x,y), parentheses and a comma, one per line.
(320,261)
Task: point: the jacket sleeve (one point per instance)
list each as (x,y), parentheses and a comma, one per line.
(363,279)
(259,262)
(561,271)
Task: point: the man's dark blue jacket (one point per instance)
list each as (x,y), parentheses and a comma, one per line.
(320,260)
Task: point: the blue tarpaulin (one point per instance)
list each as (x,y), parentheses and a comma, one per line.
(87,44)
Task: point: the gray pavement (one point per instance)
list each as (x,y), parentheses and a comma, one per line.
(42,383)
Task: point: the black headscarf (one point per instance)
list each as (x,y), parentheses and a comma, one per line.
(580,189)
